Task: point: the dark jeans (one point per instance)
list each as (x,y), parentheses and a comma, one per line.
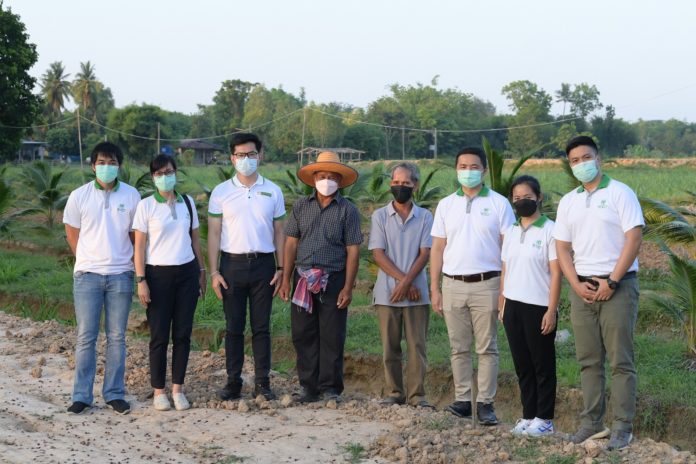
(248,280)
(534,356)
(319,338)
(174,294)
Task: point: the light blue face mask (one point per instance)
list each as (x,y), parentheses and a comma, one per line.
(106,173)
(165,183)
(586,171)
(469,178)
(246,166)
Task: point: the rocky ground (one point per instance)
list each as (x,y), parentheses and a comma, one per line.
(35,384)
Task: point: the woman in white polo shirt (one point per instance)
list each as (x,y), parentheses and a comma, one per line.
(530,290)
(170,276)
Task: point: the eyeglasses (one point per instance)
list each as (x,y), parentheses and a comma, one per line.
(249,154)
(164,173)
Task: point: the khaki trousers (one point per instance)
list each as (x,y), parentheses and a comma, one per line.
(413,320)
(471,315)
(605,329)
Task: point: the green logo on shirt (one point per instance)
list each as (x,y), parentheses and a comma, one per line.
(486,212)
(603,204)
(121,208)
(266,194)
(537,244)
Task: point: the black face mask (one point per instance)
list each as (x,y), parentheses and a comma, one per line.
(402,193)
(525,207)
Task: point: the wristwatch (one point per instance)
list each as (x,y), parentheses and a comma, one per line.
(139,279)
(612,283)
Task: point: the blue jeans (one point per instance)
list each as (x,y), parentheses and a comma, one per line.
(92,292)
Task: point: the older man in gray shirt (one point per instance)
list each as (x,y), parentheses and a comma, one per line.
(400,242)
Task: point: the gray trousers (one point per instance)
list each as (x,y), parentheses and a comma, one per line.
(605,330)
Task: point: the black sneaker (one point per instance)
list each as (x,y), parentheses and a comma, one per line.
(265,390)
(231,391)
(330,394)
(78,407)
(486,414)
(120,406)
(460,409)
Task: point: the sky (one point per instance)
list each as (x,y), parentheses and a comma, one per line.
(175,53)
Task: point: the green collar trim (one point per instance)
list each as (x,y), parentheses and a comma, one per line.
(482,193)
(538,223)
(604,183)
(98,186)
(161,199)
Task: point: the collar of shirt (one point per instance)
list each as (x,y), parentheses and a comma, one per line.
(98,186)
(604,183)
(237,183)
(160,199)
(482,193)
(336,198)
(413,213)
(538,223)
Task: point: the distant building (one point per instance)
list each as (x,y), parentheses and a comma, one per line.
(204,152)
(31,150)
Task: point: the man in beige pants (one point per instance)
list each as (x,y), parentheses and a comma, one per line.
(467,234)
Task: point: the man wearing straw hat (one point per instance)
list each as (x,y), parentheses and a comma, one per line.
(322,242)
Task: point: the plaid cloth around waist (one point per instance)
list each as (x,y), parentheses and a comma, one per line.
(310,281)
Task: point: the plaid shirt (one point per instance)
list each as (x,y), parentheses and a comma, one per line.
(324,233)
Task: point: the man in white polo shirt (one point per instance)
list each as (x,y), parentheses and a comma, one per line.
(245,220)
(598,234)
(467,235)
(98,218)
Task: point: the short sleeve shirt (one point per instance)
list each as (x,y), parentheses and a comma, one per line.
(401,241)
(595,223)
(104,218)
(324,233)
(472,227)
(247,214)
(167,229)
(526,254)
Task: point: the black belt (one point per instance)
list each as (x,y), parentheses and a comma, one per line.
(475,277)
(249,256)
(590,279)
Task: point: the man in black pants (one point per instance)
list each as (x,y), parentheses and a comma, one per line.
(323,241)
(245,221)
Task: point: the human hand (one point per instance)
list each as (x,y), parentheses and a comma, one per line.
(217,281)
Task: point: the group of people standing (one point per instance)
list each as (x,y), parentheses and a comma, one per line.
(485,266)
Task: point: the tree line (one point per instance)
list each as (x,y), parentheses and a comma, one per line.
(399,124)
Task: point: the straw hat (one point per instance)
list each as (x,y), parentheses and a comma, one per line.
(330,162)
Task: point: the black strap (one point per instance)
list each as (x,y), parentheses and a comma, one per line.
(190,210)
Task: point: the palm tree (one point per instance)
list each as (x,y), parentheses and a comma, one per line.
(8,216)
(496,161)
(427,196)
(86,89)
(55,87)
(46,185)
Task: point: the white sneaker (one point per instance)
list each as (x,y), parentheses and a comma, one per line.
(540,428)
(180,401)
(521,426)
(161,402)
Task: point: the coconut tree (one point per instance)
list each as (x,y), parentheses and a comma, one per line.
(8,211)
(86,88)
(46,187)
(499,182)
(55,87)
(426,196)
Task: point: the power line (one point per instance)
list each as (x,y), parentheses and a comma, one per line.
(62,121)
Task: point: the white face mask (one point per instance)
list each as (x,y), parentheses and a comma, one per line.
(246,166)
(326,187)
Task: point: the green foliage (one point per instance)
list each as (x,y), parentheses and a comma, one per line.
(679,299)
(531,105)
(140,120)
(62,140)
(45,185)
(499,182)
(85,89)
(356,452)
(142,182)
(427,196)
(8,214)
(55,88)
(19,106)
(293,187)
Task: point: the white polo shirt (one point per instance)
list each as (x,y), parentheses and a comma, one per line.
(104,218)
(167,229)
(596,223)
(526,254)
(247,214)
(472,227)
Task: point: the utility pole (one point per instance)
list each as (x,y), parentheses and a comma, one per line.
(386,138)
(304,126)
(79,139)
(435,143)
(403,143)
(158,138)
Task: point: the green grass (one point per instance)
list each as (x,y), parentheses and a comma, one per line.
(355,451)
